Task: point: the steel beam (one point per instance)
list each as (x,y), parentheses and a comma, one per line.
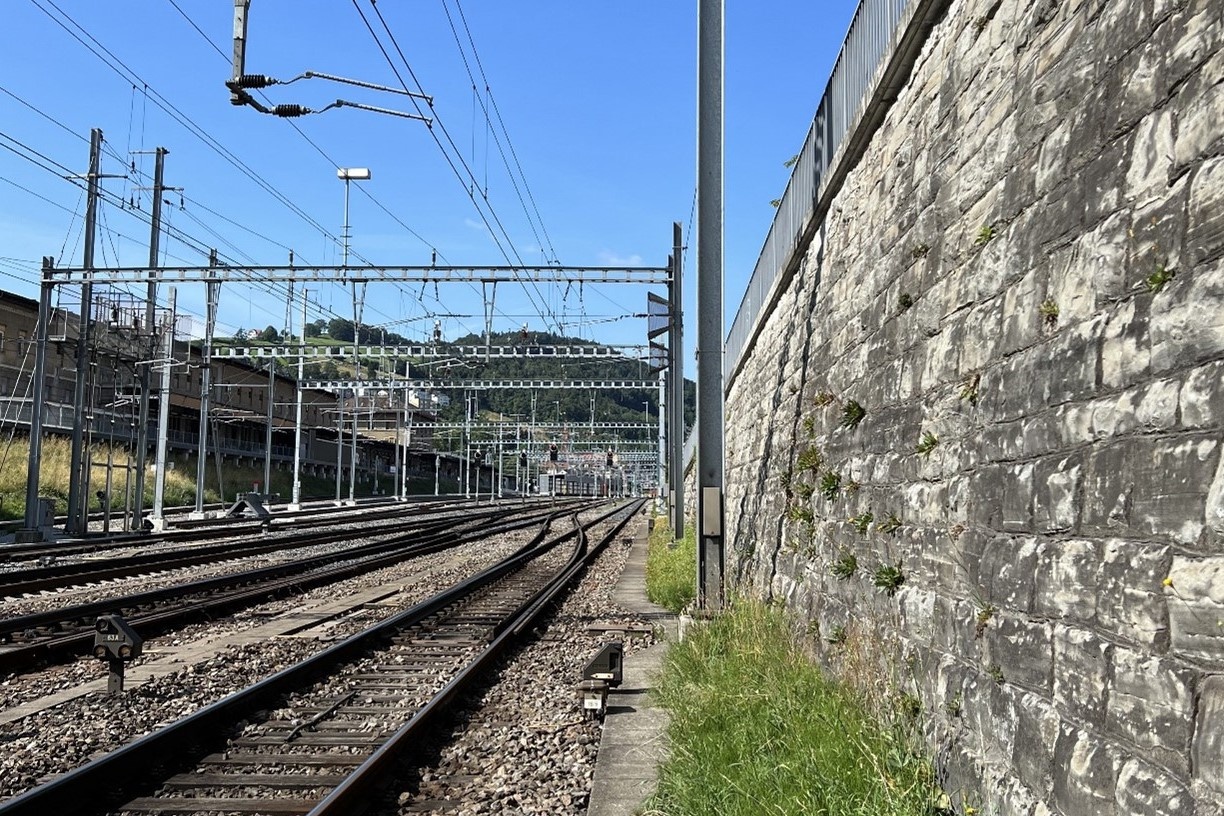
(368,274)
(476,385)
(431,351)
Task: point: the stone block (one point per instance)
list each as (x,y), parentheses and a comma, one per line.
(1017,509)
(1107,490)
(1102,255)
(1151,704)
(1056,485)
(1041,435)
(1172,478)
(1037,726)
(1205,212)
(1066,577)
(1126,355)
(1151,158)
(1182,333)
(1114,415)
(1200,118)
(1023,649)
(1214,531)
(1158,234)
(1071,370)
(1207,756)
(986,711)
(1081,674)
(1196,608)
(1156,406)
(1085,773)
(1202,397)
(1150,486)
(1001,567)
(1148,789)
(1021,323)
(1130,598)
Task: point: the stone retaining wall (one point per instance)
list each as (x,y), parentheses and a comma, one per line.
(996,388)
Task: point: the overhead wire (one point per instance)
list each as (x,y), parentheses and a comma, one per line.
(545,312)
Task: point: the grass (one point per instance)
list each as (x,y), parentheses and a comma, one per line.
(671,572)
(180,486)
(756,728)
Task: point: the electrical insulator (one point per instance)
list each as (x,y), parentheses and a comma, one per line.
(552,453)
(256,81)
(290,111)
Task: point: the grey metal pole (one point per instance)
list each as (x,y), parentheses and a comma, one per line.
(76,507)
(163,419)
(357,309)
(267,480)
(30,532)
(142,430)
(296,504)
(399,464)
(661,441)
(675,373)
(210,323)
(710,305)
(339,445)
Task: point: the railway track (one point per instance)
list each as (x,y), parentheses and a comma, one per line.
(322,736)
(194,552)
(60,634)
(218,527)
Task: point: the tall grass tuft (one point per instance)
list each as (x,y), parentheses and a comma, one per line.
(671,572)
(180,487)
(758,729)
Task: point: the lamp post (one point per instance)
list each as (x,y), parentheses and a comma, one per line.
(349,174)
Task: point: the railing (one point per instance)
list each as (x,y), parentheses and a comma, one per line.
(867,45)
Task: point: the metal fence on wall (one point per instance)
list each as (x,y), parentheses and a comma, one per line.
(865,49)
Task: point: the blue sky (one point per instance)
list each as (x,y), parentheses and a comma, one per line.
(598,103)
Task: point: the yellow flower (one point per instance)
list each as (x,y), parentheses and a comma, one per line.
(1168,581)
(969,811)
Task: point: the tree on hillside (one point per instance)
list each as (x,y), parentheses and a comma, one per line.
(270,335)
(315,328)
(340,329)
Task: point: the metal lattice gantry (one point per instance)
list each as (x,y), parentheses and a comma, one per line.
(478,385)
(432,351)
(362,274)
(543,427)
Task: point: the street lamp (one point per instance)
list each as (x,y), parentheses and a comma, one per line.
(348,174)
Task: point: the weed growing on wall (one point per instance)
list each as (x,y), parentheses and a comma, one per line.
(845,566)
(1049,313)
(927,444)
(852,414)
(969,389)
(984,235)
(889,578)
(830,484)
(1157,280)
(862,522)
